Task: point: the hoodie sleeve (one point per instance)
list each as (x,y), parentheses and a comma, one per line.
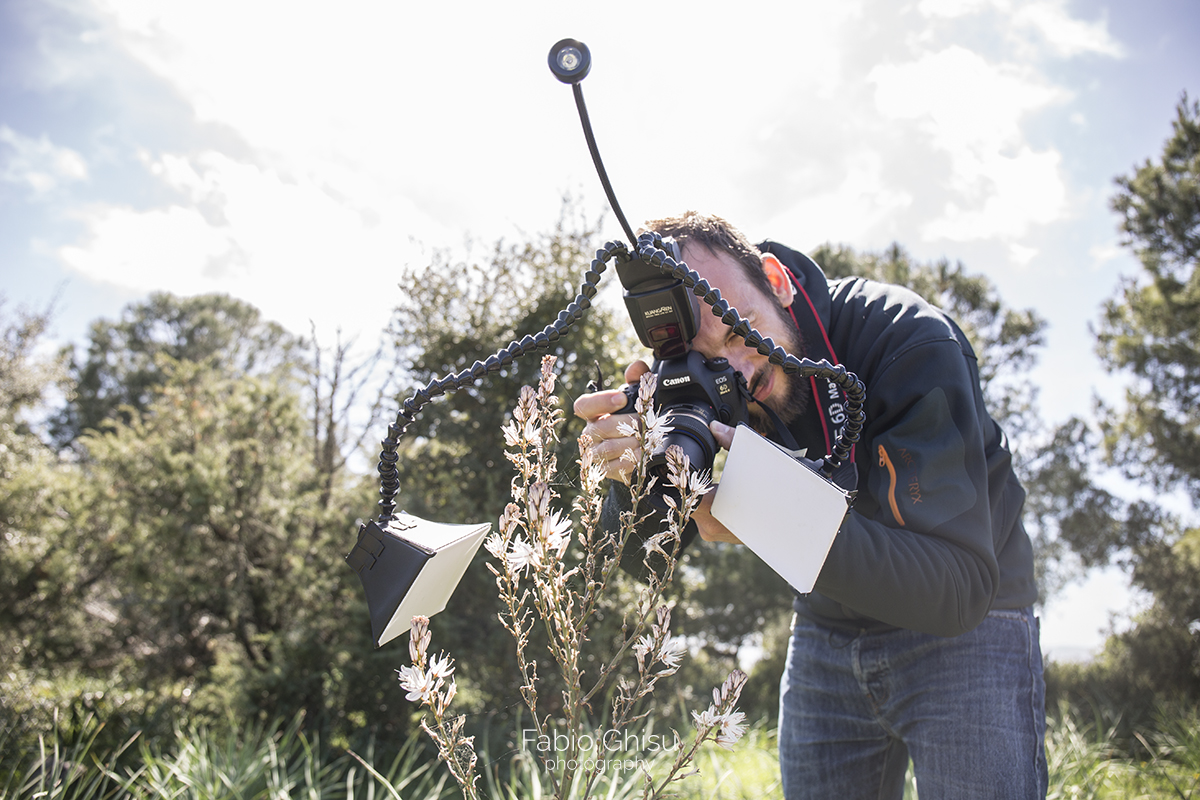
(916,550)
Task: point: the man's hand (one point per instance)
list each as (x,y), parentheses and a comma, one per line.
(608,445)
(599,410)
(711,530)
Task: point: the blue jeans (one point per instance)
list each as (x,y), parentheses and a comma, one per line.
(969,711)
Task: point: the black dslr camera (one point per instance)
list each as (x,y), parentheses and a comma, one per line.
(692,390)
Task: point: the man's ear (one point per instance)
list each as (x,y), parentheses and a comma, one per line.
(781,285)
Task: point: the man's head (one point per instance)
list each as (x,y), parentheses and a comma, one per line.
(716,235)
(757,285)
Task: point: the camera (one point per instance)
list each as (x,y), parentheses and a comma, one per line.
(692,390)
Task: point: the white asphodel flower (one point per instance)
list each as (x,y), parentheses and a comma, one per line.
(646,387)
(698,483)
(672,653)
(441,667)
(419,684)
(531,429)
(511,433)
(494,544)
(732,729)
(591,471)
(557,531)
(418,639)
(521,555)
(643,646)
(510,519)
(731,689)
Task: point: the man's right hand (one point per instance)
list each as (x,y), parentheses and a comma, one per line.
(599,410)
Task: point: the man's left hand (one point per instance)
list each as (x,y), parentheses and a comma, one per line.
(711,529)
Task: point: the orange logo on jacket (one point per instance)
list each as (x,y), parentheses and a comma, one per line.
(912,488)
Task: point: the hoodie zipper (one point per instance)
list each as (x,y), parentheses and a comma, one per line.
(885,461)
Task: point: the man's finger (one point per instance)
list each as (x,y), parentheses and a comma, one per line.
(597,404)
(722,433)
(635,371)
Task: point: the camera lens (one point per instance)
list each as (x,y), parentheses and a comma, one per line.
(690,432)
(570,60)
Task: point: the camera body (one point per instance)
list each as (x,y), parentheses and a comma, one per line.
(692,390)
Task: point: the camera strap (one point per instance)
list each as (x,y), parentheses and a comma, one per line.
(828,410)
(786,440)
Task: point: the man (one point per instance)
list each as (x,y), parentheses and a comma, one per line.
(918,639)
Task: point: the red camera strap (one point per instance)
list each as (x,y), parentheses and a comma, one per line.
(828,409)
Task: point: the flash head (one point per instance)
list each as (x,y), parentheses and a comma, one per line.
(570,60)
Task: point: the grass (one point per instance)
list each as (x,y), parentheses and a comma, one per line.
(281,761)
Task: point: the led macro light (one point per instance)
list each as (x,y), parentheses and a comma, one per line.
(570,60)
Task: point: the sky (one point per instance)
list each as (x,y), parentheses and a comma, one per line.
(298,157)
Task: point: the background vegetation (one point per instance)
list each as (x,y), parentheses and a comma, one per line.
(177,496)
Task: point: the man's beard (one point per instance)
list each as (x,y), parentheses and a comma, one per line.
(794,403)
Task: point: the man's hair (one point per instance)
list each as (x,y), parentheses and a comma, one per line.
(717,235)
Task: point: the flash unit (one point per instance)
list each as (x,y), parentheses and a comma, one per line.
(570,60)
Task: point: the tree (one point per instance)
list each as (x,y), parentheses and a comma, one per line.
(33,486)
(120,371)
(189,553)
(1152,330)
(1150,333)
(457,312)
(35,501)
(229,583)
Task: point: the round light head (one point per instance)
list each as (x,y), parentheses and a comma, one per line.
(570,60)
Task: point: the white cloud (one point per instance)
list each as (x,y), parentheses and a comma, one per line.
(1021,254)
(1019,191)
(173,248)
(1067,36)
(1048,20)
(38,163)
(356,130)
(296,248)
(950,8)
(971,110)
(861,201)
(1101,254)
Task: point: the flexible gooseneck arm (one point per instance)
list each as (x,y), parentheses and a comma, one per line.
(650,249)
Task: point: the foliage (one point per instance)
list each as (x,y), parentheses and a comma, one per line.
(1152,330)
(24,379)
(254,761)
(186,559)
(122,368)
(1085,760)
(458,312)
(1150,333)
(26,464)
